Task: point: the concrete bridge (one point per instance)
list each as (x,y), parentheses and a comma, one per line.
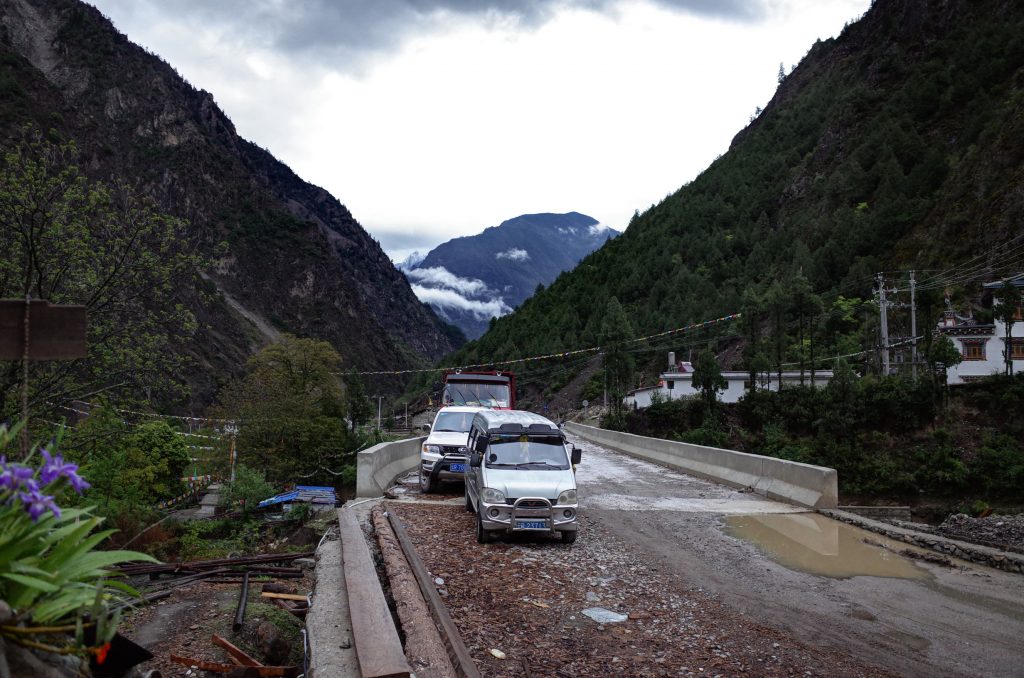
(741,575)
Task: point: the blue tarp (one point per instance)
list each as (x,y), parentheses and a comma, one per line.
(310,494)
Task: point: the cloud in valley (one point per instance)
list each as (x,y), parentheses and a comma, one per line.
(439,276)
(444,290)
(442,299)
(513,254)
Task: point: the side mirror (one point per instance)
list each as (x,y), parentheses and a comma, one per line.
(577,454)
(476,459)
(481,444)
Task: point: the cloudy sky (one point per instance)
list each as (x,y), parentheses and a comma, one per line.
(432,119)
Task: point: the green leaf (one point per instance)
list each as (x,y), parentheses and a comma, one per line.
(31,582)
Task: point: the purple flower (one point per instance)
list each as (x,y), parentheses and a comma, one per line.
(54,468)
(37,503)
(13,476)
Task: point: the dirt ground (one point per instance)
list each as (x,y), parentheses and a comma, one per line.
(184,623)
(660,548)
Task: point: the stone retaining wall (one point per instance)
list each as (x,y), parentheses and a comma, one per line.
(880,512)
(984,555)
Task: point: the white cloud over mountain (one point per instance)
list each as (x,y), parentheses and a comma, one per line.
(442,289)
(513,254)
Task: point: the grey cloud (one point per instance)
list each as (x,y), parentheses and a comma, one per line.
(347,30)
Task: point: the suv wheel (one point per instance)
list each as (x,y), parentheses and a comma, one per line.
(482,535)
(569,537)
(427,484)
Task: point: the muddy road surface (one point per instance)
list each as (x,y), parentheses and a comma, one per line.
(824,583)
(698,579)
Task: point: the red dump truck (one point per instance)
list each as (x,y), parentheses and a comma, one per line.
(496,390)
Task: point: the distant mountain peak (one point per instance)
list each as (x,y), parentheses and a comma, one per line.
(469,280)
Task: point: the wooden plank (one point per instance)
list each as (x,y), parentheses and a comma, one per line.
(284,596)
(457,651)
(235,652)
(220,667)
(378,647)
(55,332)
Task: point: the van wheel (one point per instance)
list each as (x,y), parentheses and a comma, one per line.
(427,484)
(482,535)
(569,537)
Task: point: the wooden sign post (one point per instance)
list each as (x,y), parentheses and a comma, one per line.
(37,330)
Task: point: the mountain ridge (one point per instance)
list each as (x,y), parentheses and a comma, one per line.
(296,257)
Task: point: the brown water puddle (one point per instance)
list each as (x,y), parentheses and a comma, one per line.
(812,543)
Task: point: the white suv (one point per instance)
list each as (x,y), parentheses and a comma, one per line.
(443,454)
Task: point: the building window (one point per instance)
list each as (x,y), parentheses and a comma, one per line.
(1016,349)
(973,350)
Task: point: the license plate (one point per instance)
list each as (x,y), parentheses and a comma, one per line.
(457,468)
(532,524)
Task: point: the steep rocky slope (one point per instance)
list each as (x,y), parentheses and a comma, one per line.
(295,258)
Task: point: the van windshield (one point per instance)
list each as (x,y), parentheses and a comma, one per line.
(531,452)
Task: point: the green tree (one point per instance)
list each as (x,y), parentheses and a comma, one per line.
(72,241)
(777,302)
(751,318)
(248,489)
(1006,310)
(708,379)
(806,306)
(618,363)
(290,410)
(165,452)
(360,409)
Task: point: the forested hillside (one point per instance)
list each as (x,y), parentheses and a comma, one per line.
(897,145)
(279,255)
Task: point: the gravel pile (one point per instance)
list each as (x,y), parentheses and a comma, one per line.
(1002,532)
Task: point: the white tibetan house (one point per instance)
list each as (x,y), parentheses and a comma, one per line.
(982,345)
(677,383)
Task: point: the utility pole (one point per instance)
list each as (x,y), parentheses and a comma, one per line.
(231,429)
(885,324)
(913,326)
(379,398)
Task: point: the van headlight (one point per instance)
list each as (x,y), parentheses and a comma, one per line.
(567,497)
(491,496)
(434,449)
(462,450)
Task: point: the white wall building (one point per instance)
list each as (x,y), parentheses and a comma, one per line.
(983,345)
(678,383)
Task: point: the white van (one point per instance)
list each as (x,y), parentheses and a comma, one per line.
(520,476)
(443,453)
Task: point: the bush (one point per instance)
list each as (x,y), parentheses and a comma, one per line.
(248,489)
(999,467)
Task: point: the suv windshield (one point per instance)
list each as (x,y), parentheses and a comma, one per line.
(454,422)
(520,451)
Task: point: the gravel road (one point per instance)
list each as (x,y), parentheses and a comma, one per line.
(659,547)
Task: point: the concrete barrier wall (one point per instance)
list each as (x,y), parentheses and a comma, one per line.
(789,481)
(377,467)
